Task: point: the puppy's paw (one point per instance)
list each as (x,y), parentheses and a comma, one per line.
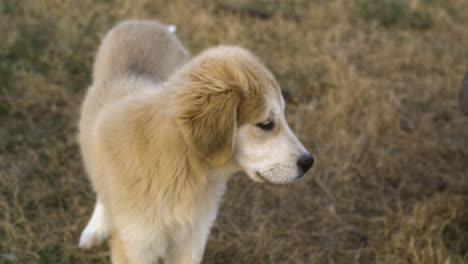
(93,236)
(98,228)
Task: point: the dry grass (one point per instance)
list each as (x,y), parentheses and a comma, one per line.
(372,90)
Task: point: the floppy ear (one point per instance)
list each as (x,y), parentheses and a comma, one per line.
(207,116)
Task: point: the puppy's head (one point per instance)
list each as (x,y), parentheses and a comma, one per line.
(230,109)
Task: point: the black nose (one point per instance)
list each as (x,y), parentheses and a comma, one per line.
(305,161)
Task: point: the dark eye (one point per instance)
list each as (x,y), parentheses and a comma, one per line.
(267,125)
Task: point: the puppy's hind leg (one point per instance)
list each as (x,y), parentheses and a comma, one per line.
(98,228)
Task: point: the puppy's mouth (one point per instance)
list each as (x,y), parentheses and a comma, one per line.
(260,178)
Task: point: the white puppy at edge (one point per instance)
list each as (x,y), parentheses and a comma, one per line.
(160,136)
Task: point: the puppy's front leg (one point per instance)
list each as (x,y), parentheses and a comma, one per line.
(137,244)
(189,250)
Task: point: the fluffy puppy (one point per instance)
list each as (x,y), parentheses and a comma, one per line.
(160,137)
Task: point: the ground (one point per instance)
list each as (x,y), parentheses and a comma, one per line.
(372,91)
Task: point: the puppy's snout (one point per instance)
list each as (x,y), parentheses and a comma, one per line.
(305,161)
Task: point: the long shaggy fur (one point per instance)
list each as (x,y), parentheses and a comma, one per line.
(157,137)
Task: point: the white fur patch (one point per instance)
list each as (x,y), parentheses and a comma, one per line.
(98,228)
(266,157)
(172,28)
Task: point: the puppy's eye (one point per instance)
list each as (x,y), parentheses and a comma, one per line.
(267,125)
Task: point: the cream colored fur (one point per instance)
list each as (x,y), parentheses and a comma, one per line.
(160,136)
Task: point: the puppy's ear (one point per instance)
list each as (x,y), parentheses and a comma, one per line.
(207,113)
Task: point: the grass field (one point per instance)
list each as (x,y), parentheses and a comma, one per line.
(372,92)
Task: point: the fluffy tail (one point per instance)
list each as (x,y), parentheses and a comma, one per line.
(139,47)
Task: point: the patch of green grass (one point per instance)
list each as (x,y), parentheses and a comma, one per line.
(394,13)
(455,236)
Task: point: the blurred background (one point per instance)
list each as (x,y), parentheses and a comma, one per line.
(372,89)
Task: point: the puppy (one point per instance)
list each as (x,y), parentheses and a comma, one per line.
(160,136)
